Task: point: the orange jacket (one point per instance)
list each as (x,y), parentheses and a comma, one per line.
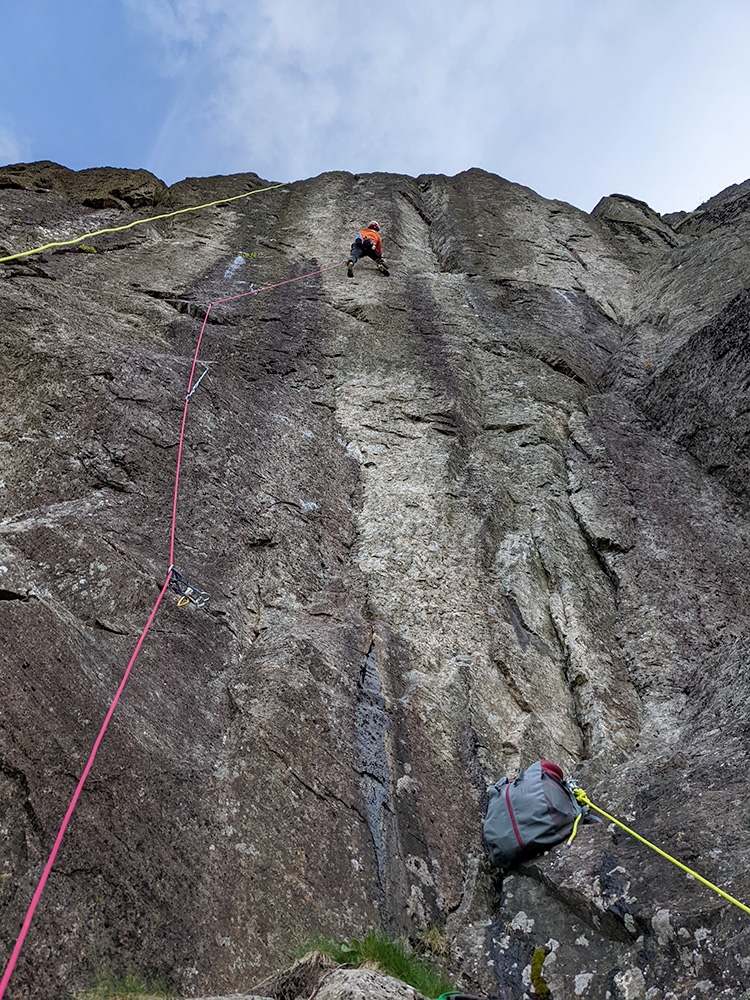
(373,237)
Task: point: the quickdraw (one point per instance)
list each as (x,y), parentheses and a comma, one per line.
(187,593)
(206,370)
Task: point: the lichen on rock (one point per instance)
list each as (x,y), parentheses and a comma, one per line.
(489,510)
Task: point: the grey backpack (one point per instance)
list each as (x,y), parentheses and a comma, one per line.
(527,815)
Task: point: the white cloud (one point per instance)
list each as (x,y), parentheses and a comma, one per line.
(12,148)
(293,88)
(574,98)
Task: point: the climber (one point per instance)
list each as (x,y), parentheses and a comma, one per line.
(367,243)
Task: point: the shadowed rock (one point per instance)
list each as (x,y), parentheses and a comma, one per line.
(490,509)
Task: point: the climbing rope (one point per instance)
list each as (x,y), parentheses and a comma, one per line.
(187,594)
(76,795)
(138,222)
(584,800)
(216,302)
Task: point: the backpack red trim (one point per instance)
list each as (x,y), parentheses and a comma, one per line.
(513,817)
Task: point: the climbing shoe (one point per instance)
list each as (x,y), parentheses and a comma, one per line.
(383,268)
(350,269)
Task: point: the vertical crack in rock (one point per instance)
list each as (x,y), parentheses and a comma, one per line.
(371,721)
(18,794)
(474,443)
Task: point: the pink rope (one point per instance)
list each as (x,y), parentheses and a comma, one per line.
(216,302)
(181,442)
(90,762)
(278,284)
(76,795)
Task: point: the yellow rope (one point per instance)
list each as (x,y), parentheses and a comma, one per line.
(586,801)
(138,222)
(574,831)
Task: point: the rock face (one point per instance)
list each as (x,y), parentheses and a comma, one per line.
(491,509)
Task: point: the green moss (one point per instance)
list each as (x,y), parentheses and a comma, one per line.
(87,248)
(537,961)
(394,958)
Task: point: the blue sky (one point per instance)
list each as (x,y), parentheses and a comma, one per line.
(575,98)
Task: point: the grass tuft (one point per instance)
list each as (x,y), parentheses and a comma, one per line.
(393,958)
(108,987)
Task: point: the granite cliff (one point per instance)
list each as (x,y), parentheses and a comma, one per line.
(491,509)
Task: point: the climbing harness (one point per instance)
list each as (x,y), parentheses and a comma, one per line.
(584,800)
(187,593)
(138,222)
